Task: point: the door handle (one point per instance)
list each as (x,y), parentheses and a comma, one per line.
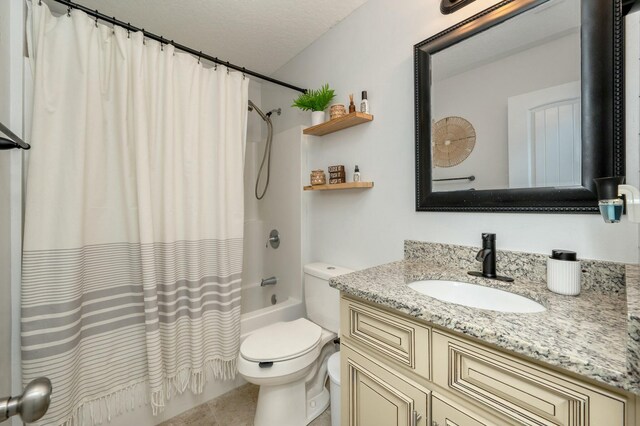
(31,405)
(415,418)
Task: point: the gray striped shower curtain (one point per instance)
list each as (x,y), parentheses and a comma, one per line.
(133,222)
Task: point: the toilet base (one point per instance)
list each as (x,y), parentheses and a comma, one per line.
(317,405)
(288,405)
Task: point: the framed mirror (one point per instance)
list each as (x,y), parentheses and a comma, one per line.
(519,107)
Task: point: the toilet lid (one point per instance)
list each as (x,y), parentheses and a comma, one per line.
(281,341)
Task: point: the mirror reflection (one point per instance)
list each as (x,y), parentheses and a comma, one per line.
(506,104)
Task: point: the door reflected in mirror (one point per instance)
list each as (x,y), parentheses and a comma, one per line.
(506,104)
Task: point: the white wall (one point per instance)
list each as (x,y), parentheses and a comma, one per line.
(480,96)
(5,212)
(372,50)
(11,62)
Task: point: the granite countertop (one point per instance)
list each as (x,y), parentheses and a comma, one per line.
(595,334)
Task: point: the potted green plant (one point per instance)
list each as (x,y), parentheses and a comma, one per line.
(316,101)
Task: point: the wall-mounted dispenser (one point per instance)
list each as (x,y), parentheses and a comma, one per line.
(610,192)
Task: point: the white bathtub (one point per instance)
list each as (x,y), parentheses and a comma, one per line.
(286,310)
(255,297)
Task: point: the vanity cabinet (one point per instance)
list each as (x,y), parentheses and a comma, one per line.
(400,371)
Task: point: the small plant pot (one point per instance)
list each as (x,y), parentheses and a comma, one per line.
(317,117)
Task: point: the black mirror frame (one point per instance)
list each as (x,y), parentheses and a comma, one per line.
(602,121)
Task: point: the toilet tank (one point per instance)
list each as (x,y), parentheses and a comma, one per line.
(322,301)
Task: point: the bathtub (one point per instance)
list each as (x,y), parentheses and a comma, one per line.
(285,310)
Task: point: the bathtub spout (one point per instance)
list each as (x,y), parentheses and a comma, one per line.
(268,281)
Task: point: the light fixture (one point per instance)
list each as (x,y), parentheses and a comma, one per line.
(450,6)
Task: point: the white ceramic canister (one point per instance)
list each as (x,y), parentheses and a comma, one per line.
(564,273)
(317,117)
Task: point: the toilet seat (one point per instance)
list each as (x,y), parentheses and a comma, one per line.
(282,352)
(281,341)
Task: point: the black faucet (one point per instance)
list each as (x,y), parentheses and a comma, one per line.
(487,255)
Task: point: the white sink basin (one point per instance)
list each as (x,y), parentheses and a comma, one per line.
(476,296)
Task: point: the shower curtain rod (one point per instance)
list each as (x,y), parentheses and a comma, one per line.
(112,20)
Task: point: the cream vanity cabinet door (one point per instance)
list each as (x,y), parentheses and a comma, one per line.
(376,396)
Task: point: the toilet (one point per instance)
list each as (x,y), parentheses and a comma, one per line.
(288,360)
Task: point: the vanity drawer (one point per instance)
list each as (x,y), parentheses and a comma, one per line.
(445,413)
(406,343)
(522,391)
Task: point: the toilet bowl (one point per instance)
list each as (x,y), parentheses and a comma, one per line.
(289,359)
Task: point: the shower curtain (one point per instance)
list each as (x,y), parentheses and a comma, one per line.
(134,219)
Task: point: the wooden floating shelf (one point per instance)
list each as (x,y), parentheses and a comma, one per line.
(334,125)
(347,185)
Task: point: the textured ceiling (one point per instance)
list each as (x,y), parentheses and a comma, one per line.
(261,35)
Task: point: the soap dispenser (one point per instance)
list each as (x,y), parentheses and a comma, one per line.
(564,273)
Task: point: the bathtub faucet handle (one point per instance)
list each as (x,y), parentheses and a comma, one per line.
(274,239)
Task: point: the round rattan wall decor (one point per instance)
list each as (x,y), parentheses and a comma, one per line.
(453,141)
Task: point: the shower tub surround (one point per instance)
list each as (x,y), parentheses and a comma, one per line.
(595,334)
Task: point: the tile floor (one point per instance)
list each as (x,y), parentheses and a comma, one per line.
(235,408)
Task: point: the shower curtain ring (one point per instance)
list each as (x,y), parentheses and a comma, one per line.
(39,2)
(199,56)
(96,18)
(69,11)
(161,44)
(227,67)
(144,40)
(128,29)
(215,63)
(243,75)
